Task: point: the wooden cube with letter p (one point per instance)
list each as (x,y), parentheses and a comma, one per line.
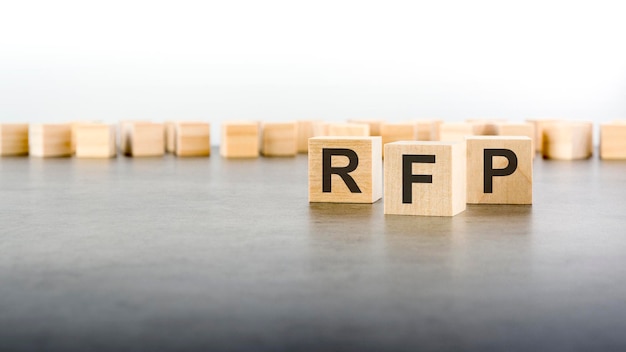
(499,170)
(345,169)
(425,178)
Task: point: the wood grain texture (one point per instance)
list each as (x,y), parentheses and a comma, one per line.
(374,125)
(525,129)
(539,125)
(13,139)
(445,196)
(566,140)
(170,136)
(516,188)
(367,175)
(240,139)
(192,139)
(347,129)
(306,130)
(145,139)
(455,131)
(95,140)
(279,138)
(613,141)
(485,126)
(428,129)
(50,140)
(398,131)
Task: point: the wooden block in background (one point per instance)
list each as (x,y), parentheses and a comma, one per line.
(240,139)
(526,129)
(455,131)
(567,140)
(13,139)
(353,170)
(348,130)
(374,125)
(499,170)
(50,140)
(613,141)
(428,129)
(95,140)
(398,131)
(143,139)
(170,136)
(279,138)
(485,127)
(306,130)
(425,178)
(192,138)
(539,125)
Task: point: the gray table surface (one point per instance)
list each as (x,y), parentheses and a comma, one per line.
(166,254)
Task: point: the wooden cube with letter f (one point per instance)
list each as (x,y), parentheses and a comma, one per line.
(345,169)
(425,178)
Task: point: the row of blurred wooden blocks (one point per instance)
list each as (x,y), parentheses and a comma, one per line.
(421,177)
(98,140)
(555,139)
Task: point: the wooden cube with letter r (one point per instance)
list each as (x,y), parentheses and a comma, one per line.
(499,170)
(345,169)
(425,178)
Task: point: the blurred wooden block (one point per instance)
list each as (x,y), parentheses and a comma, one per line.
(170,136)
(240,139)
(613,141)
(455,131)
(526,129)
(144,139)
(95,140)
(425,178)
(428,130)
(394,132)
(192,138)
(306,130)
(373,124)
(499,170)
(567,140)
(345,169)
(279,138)
(50,140)
(539,125)
(485,127)
(13,139)
(348,130)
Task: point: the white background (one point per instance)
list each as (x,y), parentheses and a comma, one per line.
(333,60)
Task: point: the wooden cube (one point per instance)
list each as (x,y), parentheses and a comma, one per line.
(485,127)
(95,140)
(345,169)
(373,124)
(613,141)
(192,138)
(425,178)
(279,138)
(13,139)
(539,125)
(567,140)
(348,130)
(394,132)
(306,130)
(428,130)
(50,140)
(170,136)
(526,129)
(499,170)
(143,139)
(455,131)
(240,139)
